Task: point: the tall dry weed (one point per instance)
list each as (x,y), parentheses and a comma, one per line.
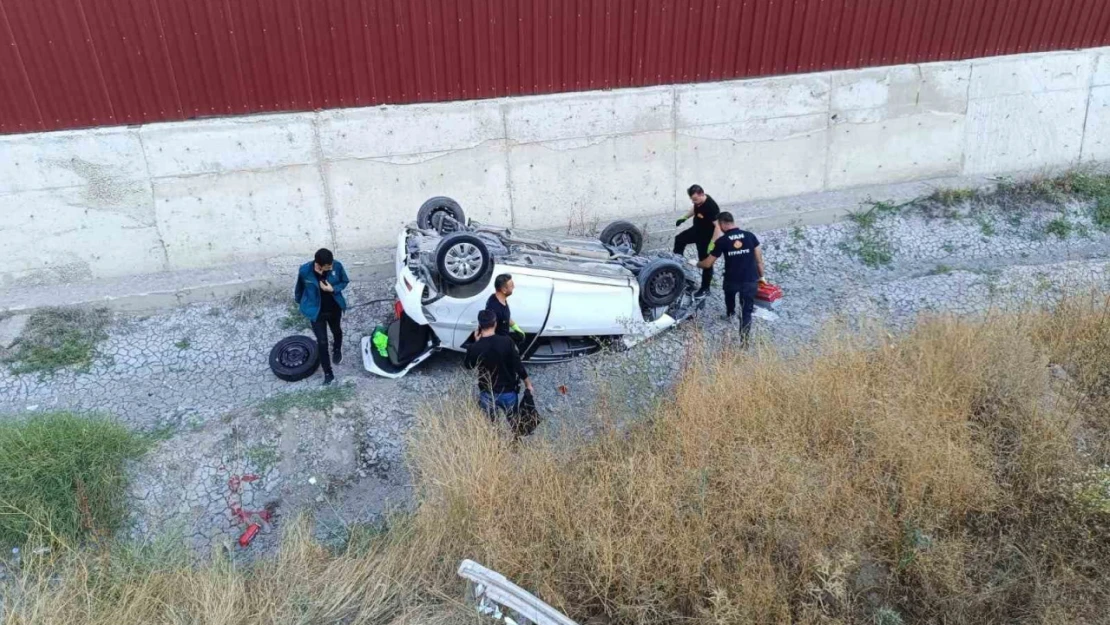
(305,583)
(904,456)
(873,479)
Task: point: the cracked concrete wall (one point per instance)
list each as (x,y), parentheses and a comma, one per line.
(82,205)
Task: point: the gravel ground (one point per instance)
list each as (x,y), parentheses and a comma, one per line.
(199,374)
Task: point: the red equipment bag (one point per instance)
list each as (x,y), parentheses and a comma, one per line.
(768,293)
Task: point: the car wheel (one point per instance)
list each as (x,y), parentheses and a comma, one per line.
(294,358)
(623,234)
(662,282)
(432,214)
(462,258)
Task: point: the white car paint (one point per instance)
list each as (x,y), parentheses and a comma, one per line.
(496,597)
(561,304)
(367,344)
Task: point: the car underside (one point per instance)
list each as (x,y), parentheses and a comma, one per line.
(573,295)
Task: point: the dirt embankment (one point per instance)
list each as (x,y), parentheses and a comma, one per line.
(955,474)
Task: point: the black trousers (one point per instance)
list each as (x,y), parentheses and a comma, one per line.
(685,238)
(320,329)
(746,292)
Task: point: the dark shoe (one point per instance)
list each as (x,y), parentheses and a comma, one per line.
(328,379)
(730,316)
(337,356)
(702,292)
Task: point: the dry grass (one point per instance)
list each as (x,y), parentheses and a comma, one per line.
(927,478)
(923,474)
(306,583)
(583,222)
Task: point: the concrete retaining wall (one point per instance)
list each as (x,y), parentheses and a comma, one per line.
(105,203)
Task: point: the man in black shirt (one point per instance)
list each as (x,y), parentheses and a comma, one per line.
(704,212)
(498,304)
(743,269)
(499,368)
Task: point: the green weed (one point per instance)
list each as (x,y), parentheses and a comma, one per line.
(940,270)
(262,457)
(868,244)
(1100,214)
(952,197)
(1091,491)
(317,400)
(875,251)
(258,297)
(1085,184)
(1060,227)
(876,210)
(56,338)
(184,343)
(1057,190)
(293,319)
(782,266)
(62,477)
(986,226)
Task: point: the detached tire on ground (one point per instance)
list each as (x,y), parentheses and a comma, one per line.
(431,213)
(462,258)
(621,233)
(294,358)
(662,282)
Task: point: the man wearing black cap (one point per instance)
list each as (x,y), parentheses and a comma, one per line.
(704,212)
(499,368)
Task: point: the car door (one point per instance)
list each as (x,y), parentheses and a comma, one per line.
(528,305)
(583,307)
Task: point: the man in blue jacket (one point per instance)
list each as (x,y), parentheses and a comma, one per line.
(319,292)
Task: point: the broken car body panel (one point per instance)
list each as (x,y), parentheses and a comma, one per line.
(503,600)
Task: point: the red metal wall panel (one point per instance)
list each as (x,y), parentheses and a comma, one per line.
(20,109)
(80,63)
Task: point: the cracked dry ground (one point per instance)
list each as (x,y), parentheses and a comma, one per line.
(199,374)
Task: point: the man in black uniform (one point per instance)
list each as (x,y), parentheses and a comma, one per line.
(743,269)
(498,304)
(704,212)
(499,368)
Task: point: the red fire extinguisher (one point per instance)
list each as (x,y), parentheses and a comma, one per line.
(248,536)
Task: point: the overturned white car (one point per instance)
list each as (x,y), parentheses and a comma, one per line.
(571,295)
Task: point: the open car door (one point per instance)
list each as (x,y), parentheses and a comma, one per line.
(408,344)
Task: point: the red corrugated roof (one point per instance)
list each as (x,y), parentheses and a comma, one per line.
(79,63)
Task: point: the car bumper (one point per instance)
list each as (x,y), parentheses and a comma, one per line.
(409,288)
(369,363)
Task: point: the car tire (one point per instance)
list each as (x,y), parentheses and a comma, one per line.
(621,233)
(294,358)
(426,217)
(462,259)
(662,282)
